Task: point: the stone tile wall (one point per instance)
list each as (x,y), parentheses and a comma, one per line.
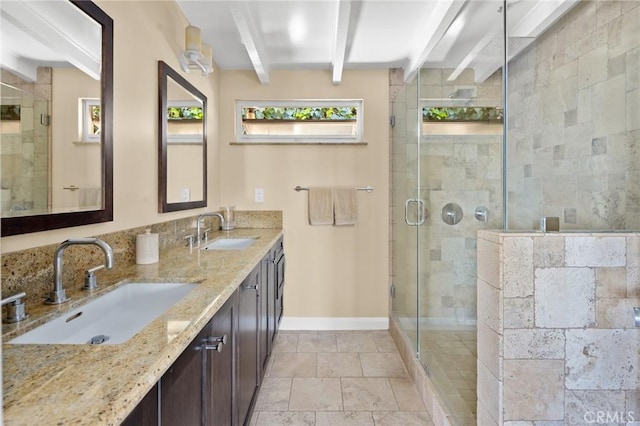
(574,121)
(25,155)
(556,337)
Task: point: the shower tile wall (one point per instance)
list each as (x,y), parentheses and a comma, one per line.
(24,155)
(574,121)
(463,169)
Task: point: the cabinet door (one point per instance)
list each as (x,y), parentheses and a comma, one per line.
(219,366)
(264,343)
(181,388)
(146,412)
(248,306)
(280,264)
(271,299)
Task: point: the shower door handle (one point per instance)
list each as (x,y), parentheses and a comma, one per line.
(421,211)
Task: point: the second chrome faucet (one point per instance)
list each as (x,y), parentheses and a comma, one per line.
(58,295)
(199,222)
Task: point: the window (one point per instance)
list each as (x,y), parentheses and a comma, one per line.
(91,120)
(467,120)
(184,122)
(300,121)
(472,113)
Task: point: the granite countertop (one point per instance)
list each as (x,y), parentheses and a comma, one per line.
(102,384)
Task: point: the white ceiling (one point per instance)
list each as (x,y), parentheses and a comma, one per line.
(267,35)
(48,33)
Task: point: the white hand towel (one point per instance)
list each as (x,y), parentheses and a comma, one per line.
(345,206)
(320,206)
(90,197)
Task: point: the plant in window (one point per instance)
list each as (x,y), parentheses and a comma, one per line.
(184,113)
(461,114)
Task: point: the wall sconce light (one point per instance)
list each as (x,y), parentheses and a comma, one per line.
(196,55)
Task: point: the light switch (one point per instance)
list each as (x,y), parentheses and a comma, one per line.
(258,195)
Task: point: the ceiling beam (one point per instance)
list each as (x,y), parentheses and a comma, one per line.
(23,68)
(340,39)
(540,17)
(61,28)
(473,54)
(251,39)
(434,28)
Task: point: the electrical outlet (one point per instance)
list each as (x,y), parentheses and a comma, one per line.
(258,195)
(185,194)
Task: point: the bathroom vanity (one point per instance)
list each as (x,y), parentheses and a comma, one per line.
(204,357)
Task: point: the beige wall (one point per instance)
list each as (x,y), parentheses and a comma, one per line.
(331,272)
(68,86)
(144,32)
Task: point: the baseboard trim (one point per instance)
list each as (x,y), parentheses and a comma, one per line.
(333,323)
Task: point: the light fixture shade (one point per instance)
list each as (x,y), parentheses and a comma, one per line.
(207,54)
(193,39)
(196,55)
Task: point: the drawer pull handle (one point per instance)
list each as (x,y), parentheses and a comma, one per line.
(215,343)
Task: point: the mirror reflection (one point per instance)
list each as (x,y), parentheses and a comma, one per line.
(182,179)
(54,158)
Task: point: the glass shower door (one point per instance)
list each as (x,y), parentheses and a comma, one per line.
(461,184)
(405,205)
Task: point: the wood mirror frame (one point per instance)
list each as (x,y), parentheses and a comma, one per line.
(44,222)
(165,72)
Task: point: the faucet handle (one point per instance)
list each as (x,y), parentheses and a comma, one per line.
(190,240)
(15,308)
(90,281)
(206,234)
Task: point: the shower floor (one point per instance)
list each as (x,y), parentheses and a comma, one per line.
(449,355)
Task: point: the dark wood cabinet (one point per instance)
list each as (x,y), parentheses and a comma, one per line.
(280,266)
(248,324)
(215,380)
(182,385)
(219,366)
(146,412)
(264,343)
(275,262)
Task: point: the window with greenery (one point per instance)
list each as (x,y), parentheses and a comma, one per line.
(461,114)
(299,121)
(91,120)
(184,113)
(184,122)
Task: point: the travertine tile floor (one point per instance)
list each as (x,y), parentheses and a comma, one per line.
(451,356)
(341,378)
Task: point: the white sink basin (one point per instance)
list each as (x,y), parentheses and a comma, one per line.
(230,244)
(115,316)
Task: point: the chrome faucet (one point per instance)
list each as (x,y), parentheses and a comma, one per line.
(202,216)
(58,296)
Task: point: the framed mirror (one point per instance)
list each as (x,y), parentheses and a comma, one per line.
(182,167)
(56,103)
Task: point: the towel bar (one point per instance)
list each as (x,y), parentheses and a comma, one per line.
(368,188)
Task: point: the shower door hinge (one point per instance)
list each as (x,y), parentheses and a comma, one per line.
(392,121)
(392,291)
